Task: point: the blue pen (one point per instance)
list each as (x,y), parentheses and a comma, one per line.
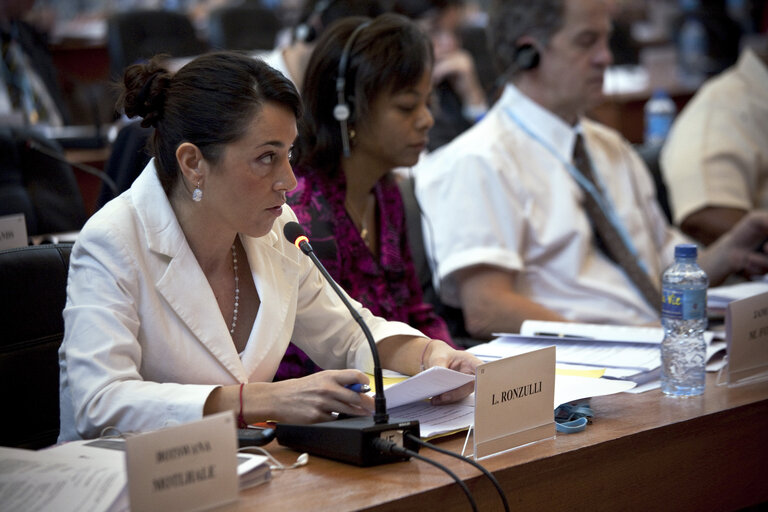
(358,388)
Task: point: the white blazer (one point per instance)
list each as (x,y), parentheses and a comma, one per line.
(145,342)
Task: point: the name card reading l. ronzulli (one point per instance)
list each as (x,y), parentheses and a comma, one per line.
(13,231)
(746,324)
(513,402)
(184,468)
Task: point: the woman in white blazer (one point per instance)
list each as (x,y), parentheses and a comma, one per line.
(183,294)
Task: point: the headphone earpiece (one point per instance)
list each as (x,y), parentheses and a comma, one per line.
(526,57)
(342,112)
(306,32)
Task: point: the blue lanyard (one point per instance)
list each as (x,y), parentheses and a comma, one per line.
(601,199)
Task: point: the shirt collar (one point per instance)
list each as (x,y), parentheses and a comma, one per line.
(543,124)
(753,68)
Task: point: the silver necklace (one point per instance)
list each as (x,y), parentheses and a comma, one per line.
(237,291)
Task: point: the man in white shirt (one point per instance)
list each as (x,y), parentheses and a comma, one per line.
(506,201)
(715,161)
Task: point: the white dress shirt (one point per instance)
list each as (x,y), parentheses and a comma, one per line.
(501,195)
(145,342)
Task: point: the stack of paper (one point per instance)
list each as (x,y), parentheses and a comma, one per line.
(85,475)
(407,398)
(629,353)
(719,297)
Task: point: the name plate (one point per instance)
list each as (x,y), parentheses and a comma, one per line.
(184,468)
(13,231)
(746,327)
(513,402)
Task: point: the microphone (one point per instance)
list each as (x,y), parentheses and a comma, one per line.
(88,169)
(351,439)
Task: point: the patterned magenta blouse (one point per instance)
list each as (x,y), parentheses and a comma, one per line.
(387,286)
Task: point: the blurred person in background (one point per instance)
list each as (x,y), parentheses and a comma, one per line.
(460,99)
(316,15)
(715,160)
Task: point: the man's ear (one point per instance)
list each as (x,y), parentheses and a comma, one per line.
(189,157)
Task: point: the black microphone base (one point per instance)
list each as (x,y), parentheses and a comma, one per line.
(349,440)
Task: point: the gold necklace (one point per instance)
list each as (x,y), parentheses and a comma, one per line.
(362,220)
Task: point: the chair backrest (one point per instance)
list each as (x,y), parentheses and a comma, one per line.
(32,298)
(127,158)
(134,36)
(651,156)
(454,318)
(41,187)
(243,27)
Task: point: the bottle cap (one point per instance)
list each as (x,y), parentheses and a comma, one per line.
(685,251)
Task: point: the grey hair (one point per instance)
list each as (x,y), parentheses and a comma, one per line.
(509,20)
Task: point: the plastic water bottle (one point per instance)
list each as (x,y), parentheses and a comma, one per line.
(684,317)
(660,112)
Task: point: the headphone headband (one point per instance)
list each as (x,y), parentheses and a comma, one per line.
(342,112)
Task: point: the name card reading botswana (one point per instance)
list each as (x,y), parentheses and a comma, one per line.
(184,468)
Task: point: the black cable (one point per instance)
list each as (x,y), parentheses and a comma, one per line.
(389,447)
(469,461)
(88,169)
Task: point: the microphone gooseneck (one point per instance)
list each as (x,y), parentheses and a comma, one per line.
(88,169)
(296,235)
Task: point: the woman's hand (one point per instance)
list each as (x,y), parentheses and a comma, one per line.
(439,353)
(309,399)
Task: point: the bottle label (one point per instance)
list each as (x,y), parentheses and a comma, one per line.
(684,304)
(658,126)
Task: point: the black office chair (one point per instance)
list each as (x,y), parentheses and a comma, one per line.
(651,156)
(453,317)
(138,35)
(243,27)
(32,297)
(127,158)
(41,187)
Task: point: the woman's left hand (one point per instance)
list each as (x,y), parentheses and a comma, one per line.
(439,353)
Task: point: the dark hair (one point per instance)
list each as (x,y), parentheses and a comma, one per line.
(317,15)
(387,56)
(209,102)
(415,9)
(509,20)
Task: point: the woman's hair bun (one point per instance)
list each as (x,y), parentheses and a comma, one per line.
(145,90)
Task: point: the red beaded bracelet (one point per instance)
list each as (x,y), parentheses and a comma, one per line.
(240,420)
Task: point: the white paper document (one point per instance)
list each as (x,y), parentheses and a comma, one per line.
(720,296)
(615,333)
(637,356)
(441,419)
(48,480)
(429,383)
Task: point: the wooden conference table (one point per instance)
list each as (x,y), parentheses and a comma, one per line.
(643,452)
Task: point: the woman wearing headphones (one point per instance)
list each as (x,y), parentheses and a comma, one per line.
(366,95)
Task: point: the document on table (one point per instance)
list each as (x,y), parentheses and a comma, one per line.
(719,297)
(435,420)
(47,480)
(625,352)
(588,352)
(614,333)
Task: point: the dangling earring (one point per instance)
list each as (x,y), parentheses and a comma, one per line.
(352,135)
(197,194)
